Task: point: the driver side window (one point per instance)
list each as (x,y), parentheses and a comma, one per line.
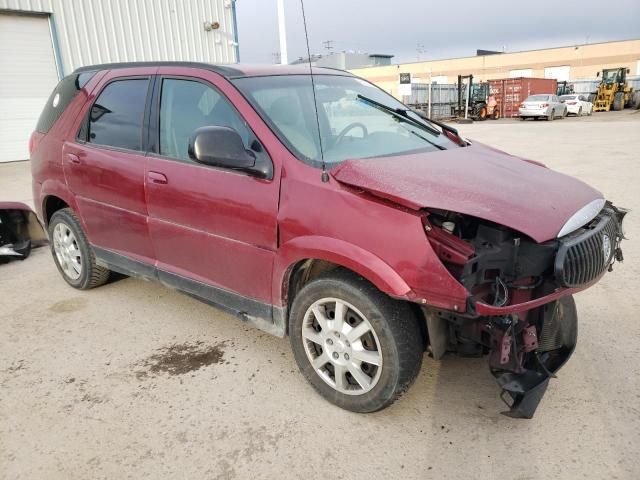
(185,106)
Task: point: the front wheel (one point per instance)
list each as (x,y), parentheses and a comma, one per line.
(357,347)
(73,253)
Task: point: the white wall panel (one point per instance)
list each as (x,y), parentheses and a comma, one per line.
(102,31)
(560,73)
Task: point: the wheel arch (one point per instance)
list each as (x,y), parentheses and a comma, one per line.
(304,258)
(54,196)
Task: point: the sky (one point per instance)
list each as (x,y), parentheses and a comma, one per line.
(415,30)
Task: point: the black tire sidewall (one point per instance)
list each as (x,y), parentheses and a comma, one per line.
(66,216)
(375,307)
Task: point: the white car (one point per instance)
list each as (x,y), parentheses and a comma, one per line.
(577,104)
(542,105)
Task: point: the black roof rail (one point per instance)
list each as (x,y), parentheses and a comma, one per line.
(224,70)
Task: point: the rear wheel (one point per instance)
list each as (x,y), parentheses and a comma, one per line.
(580,112)
(618,101)
(72,253)
(357,347)
(496,115)
(551,116)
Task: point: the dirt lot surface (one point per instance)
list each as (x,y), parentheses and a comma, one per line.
(132,380)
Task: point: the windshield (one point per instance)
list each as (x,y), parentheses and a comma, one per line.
(568,97)
(538,98)
(357,119)
(611,76)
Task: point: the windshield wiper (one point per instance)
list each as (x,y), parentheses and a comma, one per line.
(400,114)
(439,147)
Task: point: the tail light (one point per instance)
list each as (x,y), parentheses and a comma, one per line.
(34,140)
(544,105)
(571,103)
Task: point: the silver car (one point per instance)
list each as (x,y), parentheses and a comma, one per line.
(547,106)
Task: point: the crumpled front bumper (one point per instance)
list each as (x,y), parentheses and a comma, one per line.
(523,389)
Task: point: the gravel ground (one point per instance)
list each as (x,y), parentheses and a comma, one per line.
(132,380)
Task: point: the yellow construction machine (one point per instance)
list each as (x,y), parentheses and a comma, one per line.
(614,93)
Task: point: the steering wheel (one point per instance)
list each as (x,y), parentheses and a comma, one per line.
(350,127)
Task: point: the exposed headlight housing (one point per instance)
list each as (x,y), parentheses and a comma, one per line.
(582,216)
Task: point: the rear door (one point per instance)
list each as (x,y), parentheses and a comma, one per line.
(105,165)
(212,225)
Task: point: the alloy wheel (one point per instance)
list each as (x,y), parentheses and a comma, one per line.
(342,346)
(67,251)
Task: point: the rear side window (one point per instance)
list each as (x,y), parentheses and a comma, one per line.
(116,117)
(60,99)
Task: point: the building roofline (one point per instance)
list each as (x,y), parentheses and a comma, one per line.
(503,53)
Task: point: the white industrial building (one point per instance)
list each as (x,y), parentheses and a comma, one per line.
(41,41)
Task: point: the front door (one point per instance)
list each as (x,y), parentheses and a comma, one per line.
(105,166)
(212,225)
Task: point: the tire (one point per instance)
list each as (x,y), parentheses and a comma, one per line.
(523,118)
(496,115)
(618,101)
(635,100)
(72,252)
(579,112)
(551,116)
(482,114)
(394,340)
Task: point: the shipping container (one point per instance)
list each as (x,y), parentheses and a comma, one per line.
(511,92)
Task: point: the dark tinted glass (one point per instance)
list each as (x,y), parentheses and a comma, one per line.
(186,106)
(60,99)
(116,117)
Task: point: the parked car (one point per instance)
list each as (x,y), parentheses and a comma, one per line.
(364,232)
(577,104)
(542,106)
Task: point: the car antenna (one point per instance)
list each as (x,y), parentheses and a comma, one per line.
(325,175)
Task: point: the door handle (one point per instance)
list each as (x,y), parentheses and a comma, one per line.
(157,178)
(73,159)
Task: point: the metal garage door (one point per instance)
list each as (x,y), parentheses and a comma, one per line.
(27,76)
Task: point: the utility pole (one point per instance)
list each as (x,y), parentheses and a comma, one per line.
(420,49)
(284,60)
(328,45)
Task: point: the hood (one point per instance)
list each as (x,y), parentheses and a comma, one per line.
(478,181)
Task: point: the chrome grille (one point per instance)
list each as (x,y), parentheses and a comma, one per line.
(583,257)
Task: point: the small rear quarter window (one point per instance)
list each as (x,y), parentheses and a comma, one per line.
(60,98)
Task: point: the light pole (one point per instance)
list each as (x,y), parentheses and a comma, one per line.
(283,33)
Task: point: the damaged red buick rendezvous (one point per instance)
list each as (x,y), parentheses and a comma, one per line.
(323,209)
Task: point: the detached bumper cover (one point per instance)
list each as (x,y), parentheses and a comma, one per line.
(20,230)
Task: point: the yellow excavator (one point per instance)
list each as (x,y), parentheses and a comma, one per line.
(614,93)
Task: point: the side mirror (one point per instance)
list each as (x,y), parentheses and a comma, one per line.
(221,147)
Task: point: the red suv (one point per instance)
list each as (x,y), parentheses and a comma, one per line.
(322,208)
